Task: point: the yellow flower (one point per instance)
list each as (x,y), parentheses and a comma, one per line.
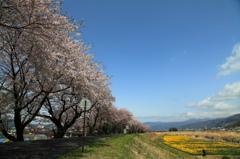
(194,146)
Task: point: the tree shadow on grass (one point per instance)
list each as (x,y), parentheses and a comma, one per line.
(98,144)
(90,148)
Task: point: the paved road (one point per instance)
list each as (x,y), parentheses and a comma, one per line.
(42,149)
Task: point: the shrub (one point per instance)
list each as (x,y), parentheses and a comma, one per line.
(173,129)
(226,157)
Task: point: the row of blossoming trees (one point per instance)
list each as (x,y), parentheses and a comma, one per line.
(45,72)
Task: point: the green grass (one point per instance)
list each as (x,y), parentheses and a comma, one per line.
(130,146)
(124,146)
(108,148)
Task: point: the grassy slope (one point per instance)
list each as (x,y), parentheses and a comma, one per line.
(131,146)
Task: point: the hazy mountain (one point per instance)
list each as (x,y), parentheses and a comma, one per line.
(167,125)
(233,125)
(212,123)
(194,123)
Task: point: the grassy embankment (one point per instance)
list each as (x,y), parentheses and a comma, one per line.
(145,146)
(124,146)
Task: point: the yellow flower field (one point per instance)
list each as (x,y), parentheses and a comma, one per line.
(194,146)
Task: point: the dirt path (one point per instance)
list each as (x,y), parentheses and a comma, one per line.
(42,149)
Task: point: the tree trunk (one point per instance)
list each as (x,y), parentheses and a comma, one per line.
(60,133)
(91,128)
(19,133)
(18,125)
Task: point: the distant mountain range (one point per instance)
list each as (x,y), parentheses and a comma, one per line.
(193,123)
(213,123)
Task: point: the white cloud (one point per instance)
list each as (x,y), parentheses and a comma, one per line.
(229,92)
(178,117)
(214,106)
(204,104)
(232,63)
(225,106)
(216,114)
(222,101)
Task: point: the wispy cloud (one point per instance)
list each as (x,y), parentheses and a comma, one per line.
(184,52)
(229,92)
(222,101)
(178,117)
(223,104)
(202,115)
(232,63)
(173,59)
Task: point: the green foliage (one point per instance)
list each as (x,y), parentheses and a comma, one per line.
(226,157)
(173,129)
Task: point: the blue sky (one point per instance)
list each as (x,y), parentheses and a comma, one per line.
(170,60)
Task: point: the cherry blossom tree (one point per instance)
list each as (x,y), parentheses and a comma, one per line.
(121,120)
(44,68)
(112,120)
(101,111)
(137,127)
(33,39)
(89,80)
